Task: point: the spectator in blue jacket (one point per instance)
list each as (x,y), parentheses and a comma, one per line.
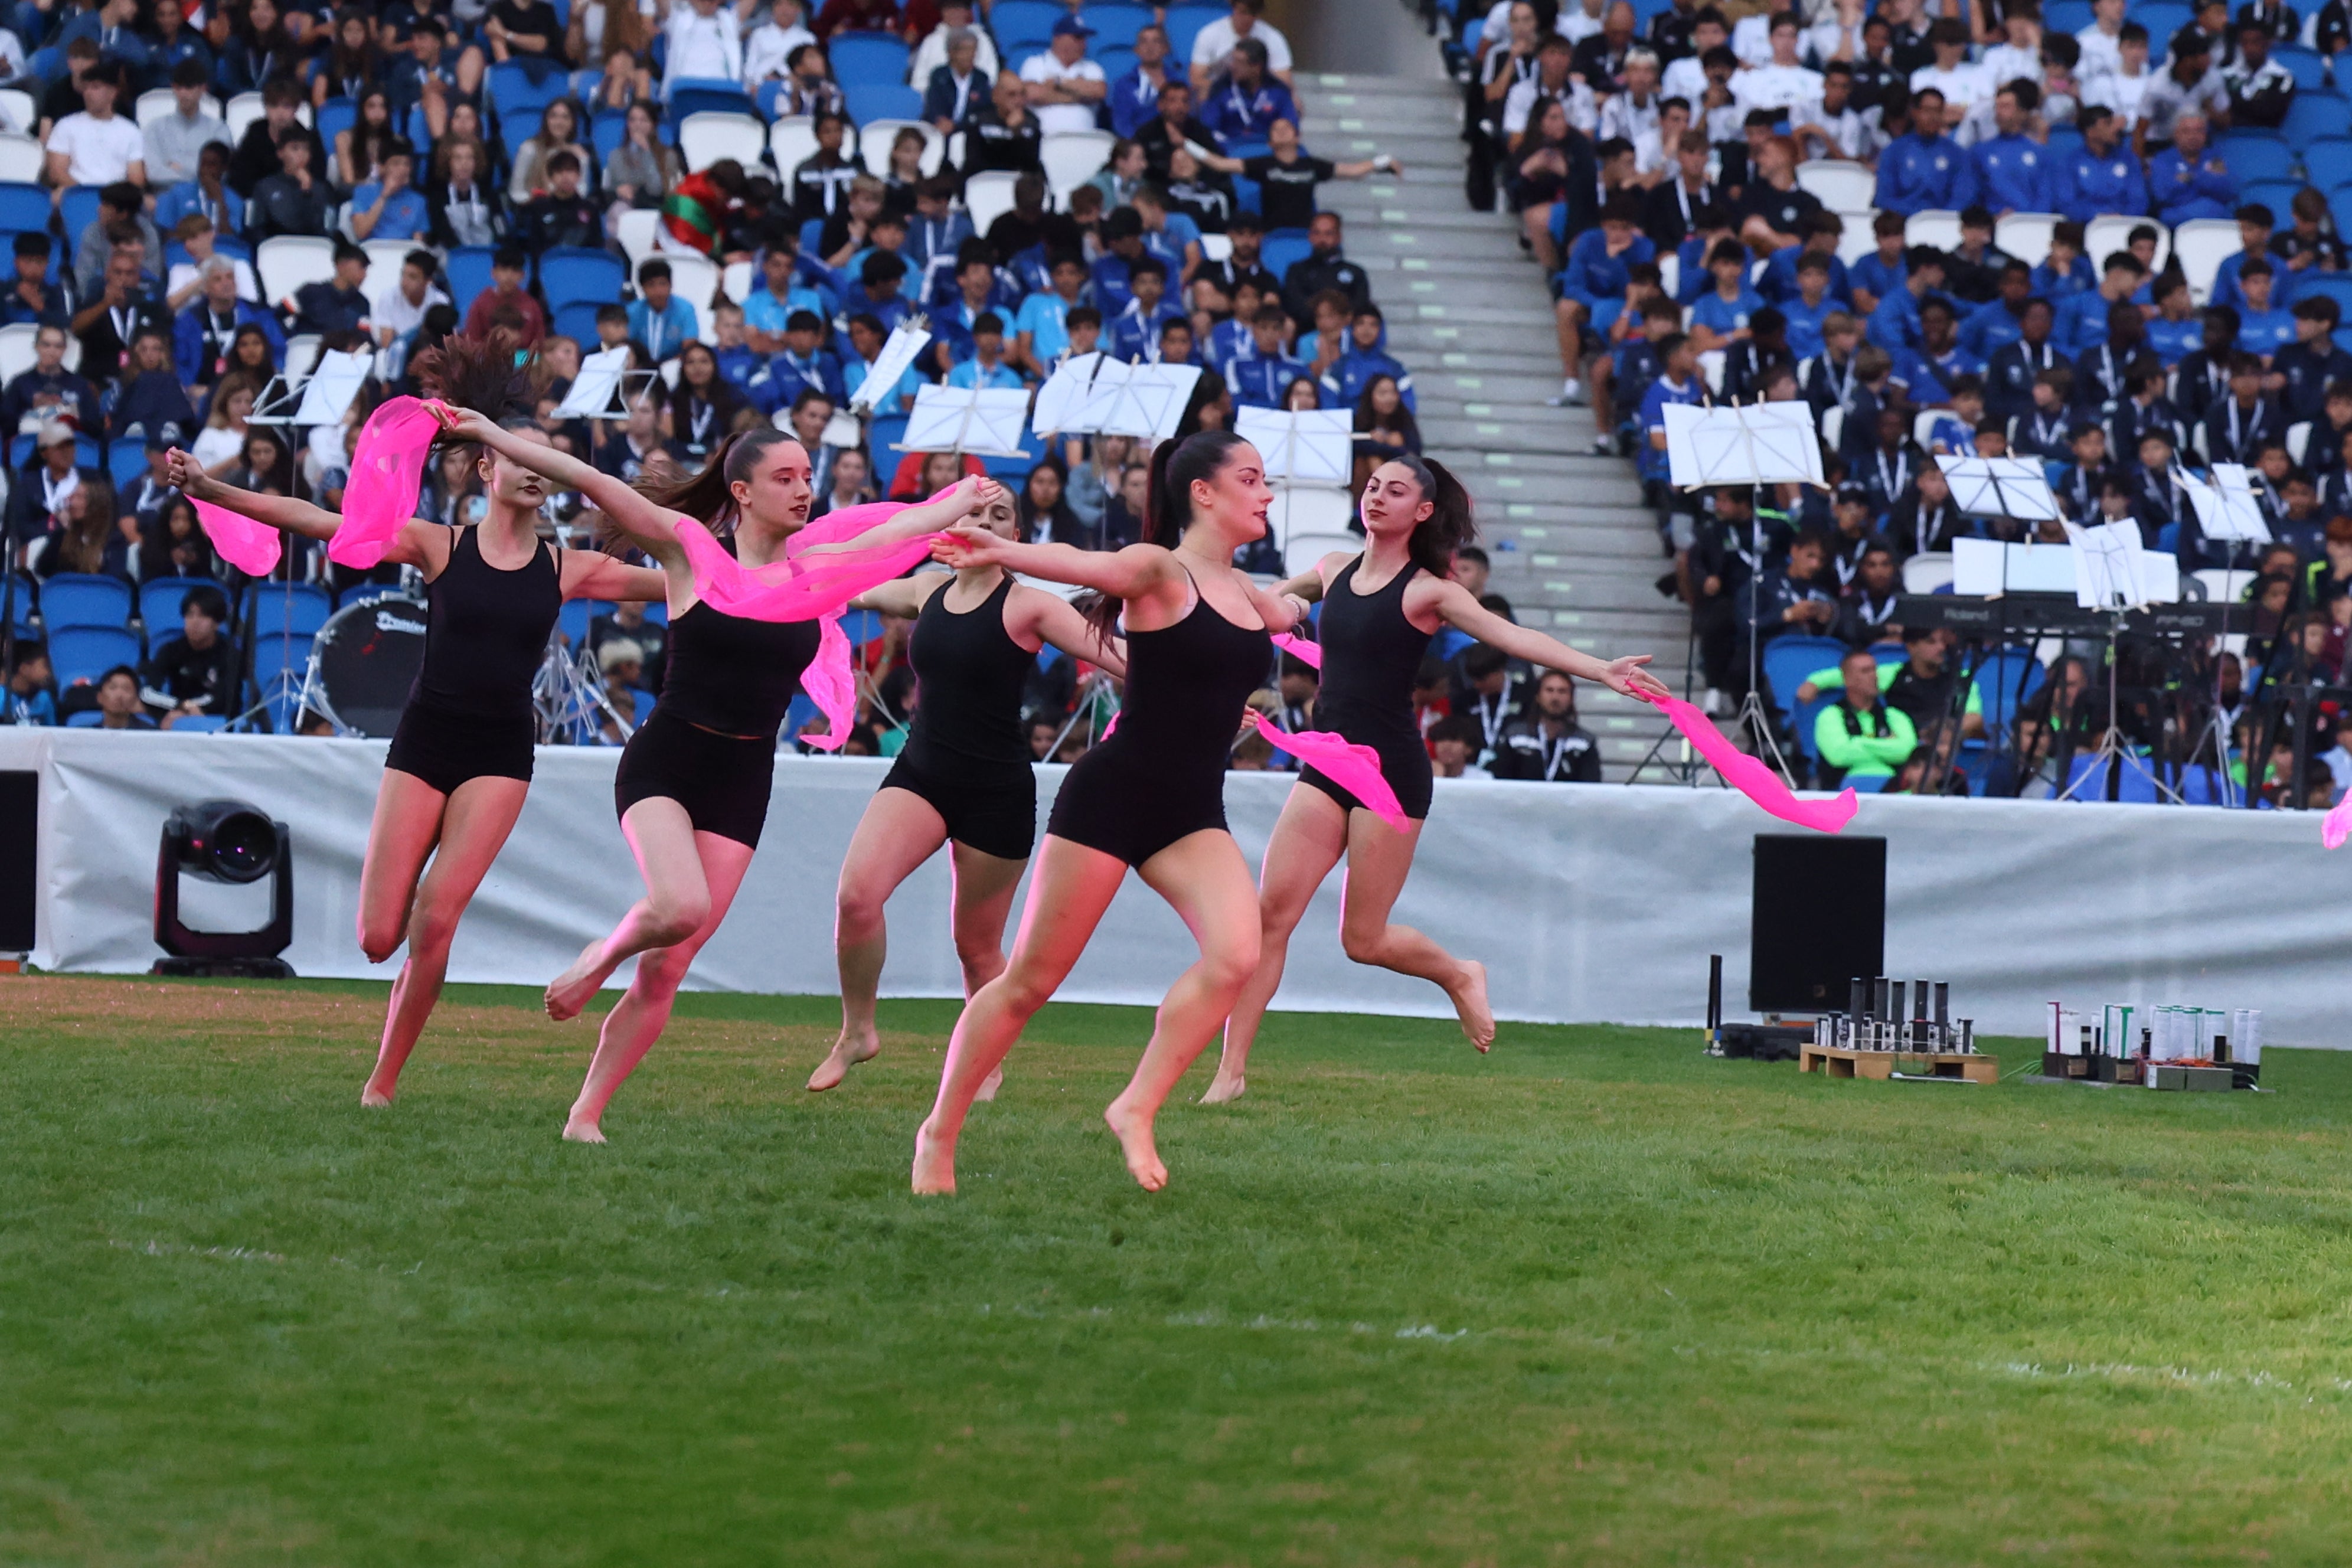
(657,317)
(1722,313)
(2255,228)
(1678,381)
(1133,334)
(1365,359)
(1821,233)
(1994,325)
(2065,271)
(2263,330)
(1259,381)
(1927,170)
(202,335)
(1880,273)
(986,369)
(2187,181)
(1122,242)
(1589,291)
(804,363)
(1896,323)
(2082,319)
(2175,329)
(1134,98)
(2101,176)
(2013,171)
(1243,105)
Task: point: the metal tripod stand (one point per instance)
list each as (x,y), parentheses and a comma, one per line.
(2114,748)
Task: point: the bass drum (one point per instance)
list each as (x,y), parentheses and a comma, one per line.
(364,663)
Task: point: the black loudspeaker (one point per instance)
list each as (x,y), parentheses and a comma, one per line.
(20,861)
(1820,919)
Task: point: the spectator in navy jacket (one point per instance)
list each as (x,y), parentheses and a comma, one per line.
(2187,181)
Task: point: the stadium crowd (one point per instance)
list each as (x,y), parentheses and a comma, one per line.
(2107,239)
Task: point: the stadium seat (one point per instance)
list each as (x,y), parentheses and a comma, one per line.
(2005,679)
(571,275)
(988,197)
(1788,660)
(704,138)
(1073,157)
(301,607)
(1184,23)
(280,653)
(73,599)
(520,100)
(2201,786)
(1928,571)
(697,95)
(2066,15)
(85,653)
(335,116)
(125,461)
(78,209)
(876,139)
(2313,115)
(199,724)
(1284,248)
(87,719)
(469,270)
(23,207)
(883,437)
(607,133)
(2102,237)
(1936,226)
(791,142)
(1303,512)
(882,101)
(2162,21)
(2253,157)
(20,598)
(2310,68)
(2026,236)
(2202,244)
(21,159)
(286,262)
(2335,286)
(576,321)
(2277,194)
(2086,777)
(1028,22)
(868,59)
(1114,28)
(573,619)
(1116,62)
(2328,162)
(85,452)
(1867,783)
(1843,186)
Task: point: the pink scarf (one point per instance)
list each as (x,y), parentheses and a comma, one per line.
(388,471)
(251,547)
(2336,825)
(1305,652)
(1354,768)
(1752,778)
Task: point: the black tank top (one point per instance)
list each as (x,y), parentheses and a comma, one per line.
(486,630)
(971,674)
(733,675)
(1371,655)
(1187,686)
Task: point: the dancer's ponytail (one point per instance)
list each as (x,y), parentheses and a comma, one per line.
(708,497)
(491,375)
(1176,467)
(1450,525)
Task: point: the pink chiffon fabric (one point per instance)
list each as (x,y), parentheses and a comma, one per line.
(1354,768)
(251,547)
(1752,778)
(2336,825)
(388,471)
(1305,652)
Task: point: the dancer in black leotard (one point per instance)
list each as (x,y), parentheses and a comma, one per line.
(460,762)
(963,779)
(692,787)
(1379,610)
(1151,796)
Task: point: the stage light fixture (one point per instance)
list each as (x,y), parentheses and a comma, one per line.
(230,842)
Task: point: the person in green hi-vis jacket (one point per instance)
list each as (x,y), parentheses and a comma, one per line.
(1860,736)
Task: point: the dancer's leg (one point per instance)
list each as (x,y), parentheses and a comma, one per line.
(1204,878)
(406,825)
(1073,887)
(899,831)
(983,899)
(1309,839)
(676,905)
(1379,861)
(636,1020)
(474,827)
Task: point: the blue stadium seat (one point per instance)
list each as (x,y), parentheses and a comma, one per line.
(1788,660)
(2201,786)
(692,95)
(1867,783)
(862,626)
(20,604)
(2066,15)
(2251,157)
(884,434)
(576,321)
(882,101)
(2313,115)
(2087,777)
(85,452)
(125,461)
(573,619)
(2277,194)
(1116,27)
(2005,679)
(159,603)
(571,275)
(299,607)
(2309,67)
(199,724)
(335,115)
(1643,11)
(2337,285)
(1184,23)
(47,63)
(520,102)
(1015,58)
(2339,207)
(1019,21)
(1115,61)
(78,209)
(469,267)
(73,599)
(2161,21)
(24,208)
(607,132)
(2344,339)
(87,719)
(1284,248)
(280,653)
(1801,723)
(868,59)
(2167,539)
(2326,162)
(85,653)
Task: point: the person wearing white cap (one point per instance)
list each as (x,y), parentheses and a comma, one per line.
(1064,87)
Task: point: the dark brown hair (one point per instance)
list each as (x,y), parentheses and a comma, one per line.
(1447,528)
(708,497)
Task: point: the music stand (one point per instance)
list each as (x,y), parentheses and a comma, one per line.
(897,357)
(1110,397)
(2112,576)
(2000,487)
(1313,448)
(2227,511)
(1062,401)
(604,386)
(985,422)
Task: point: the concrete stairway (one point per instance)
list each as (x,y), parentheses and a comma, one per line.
(1573,549)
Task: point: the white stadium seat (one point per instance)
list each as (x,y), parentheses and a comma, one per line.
(791,142)
(17,351)
(705,138)
(2102,237)
(876,137)
(988,197)
(2026,236)
(1927,570)
(289,262)
(2202,244)
(1859,239)
(21,159)
(1843,186)
(17,110)
(1072,158)
(1304,550)
(1935,226)
(694,278)
(636,231)
(157,103)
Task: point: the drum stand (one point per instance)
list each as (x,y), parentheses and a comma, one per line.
(2115,747)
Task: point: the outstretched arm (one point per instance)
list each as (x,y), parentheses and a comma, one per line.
(1056,621)
(593,574)
(901,596)
(284,511)
(652,527)
(1310,585)
(1128,573)
(1626,676)
(969,495)
(1280,610)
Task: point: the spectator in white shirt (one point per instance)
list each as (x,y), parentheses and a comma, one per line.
(1577,22)
(1838,34)
(1687,77)
(706,40)
(1214,42)
(2020,57)
(1964,86)
(1782,81)
(1751,39)
(1553,79)
(768,52)
(933,52)
(1064,87)
(1830,126)
(2122,89)
(2102,41)
(1633,112)
(1654,158)
(96,146)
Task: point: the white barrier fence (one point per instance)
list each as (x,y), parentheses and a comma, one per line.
(1588,903)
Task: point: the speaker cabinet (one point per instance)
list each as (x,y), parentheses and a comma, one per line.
(1819,919)
(20,861)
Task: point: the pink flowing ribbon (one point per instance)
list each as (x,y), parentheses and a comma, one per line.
(251,547)
(2336,825)
(388,471)
(1752,778)
(794,589)
(1354,768)
(831,682)
(1305,652)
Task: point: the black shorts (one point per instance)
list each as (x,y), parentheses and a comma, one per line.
(1404,762)
(1116,799)
(445,749)
(723,781)
(988,806)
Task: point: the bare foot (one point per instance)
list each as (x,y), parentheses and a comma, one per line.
(934,1165)
(1469,994)
(1134,1130)
(1223,1089)
(847,1052)
(580,1129)
(375,1099)
(990,1084)
(571,990)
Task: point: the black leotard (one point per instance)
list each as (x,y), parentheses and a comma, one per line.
(1161,774)
(468,715)
(710,744)
(965,756)
(1371,655)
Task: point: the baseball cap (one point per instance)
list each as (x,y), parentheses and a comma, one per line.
(1072,28)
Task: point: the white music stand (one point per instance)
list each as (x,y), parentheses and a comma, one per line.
(2000,486)
(602,389)
(1761,444)
(322,397)
(1315,447)
(2227,510)
(985,422)
(1098,395)
(2110,573)
(1062,401)
(897,357)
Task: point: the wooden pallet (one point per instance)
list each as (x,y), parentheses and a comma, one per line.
(1837,1061)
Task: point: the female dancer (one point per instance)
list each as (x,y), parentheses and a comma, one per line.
(692,787)
(1379,609)
(460,762)
(964,776)
(1151,796)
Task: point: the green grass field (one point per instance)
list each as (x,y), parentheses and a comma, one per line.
(1594,1299)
